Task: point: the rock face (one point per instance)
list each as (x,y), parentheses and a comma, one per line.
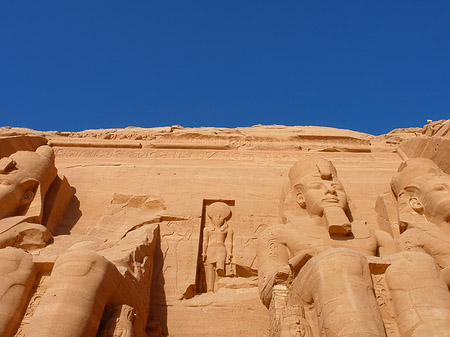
(260,231)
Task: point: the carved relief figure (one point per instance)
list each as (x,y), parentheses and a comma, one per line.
(322,255)
(120,321)
(217,243)
(293,323)
(25,178)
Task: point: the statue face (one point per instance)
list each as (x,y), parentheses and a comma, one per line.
(435,199)
(20,176)
(317,194)
(217,219)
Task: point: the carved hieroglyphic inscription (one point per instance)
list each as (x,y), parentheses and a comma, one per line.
(38,290)
(198,141)
(175,261)
(231,155)
(172,154)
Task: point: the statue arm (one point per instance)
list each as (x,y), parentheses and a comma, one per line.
(205,243)
(386,243)
(273,264)
(229,244)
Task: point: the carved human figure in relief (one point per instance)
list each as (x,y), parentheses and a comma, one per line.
(322,255)
(217,243)
(120,321)
(25,178)
(293,323)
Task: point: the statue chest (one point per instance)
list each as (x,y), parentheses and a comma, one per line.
(318,240)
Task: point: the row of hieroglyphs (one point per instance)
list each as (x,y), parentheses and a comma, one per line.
(265,142)
(304,143)
(262,156)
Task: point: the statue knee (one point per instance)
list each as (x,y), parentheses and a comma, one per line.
(16,280)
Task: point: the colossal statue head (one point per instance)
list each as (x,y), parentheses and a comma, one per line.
(25,176)
(319,192)
(422,190)
(317,186)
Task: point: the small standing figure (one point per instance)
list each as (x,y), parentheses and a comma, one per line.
(293,323)
(217,243)
(120,322)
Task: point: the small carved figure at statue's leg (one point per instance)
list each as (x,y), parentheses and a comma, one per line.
(119,321)
(293,323)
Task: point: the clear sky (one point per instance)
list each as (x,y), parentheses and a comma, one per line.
(369,66)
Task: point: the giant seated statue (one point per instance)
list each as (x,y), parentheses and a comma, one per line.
(321,256)
(423,204)
(25,178)
(416,276)
(90,289)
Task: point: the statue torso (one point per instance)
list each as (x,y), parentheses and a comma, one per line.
(430,240)
(317,239)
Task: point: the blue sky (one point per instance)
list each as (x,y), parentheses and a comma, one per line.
(369,66)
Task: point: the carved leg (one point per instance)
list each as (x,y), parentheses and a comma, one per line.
(210,275)
(220,268)
(338,282)
(79,287)
(420,295)
(16,280)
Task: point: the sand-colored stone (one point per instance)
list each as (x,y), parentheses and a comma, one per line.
(118,321)
(325,262)
(217,250)
(26,179)
(131,213)
(318,247)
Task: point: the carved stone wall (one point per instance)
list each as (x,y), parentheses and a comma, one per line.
(139,208)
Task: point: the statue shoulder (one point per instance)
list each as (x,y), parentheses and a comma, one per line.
(277,231)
